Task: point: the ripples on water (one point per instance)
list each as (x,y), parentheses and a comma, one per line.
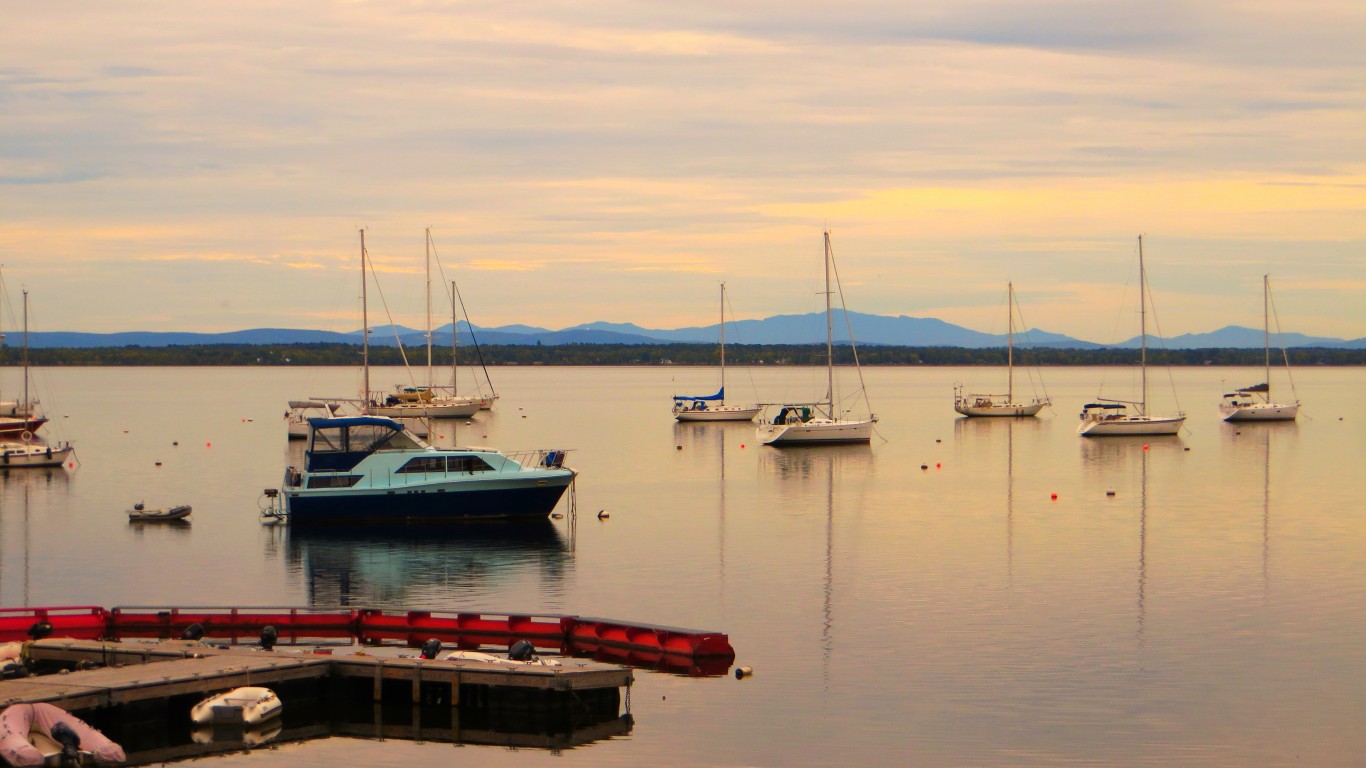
(1208,613)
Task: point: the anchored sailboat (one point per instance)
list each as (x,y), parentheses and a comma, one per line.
(820,422)
(973,404)
(1111,417)
(1254,403)
(713,407)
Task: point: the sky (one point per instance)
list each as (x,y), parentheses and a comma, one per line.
(207,166)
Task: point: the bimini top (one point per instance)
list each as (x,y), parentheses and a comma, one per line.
(339,444)
(720,395)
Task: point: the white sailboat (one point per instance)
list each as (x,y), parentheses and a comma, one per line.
(974,404)
(820,422)
(1108,418)
(713,407)
(1254,403)
(18,446)
(420,402)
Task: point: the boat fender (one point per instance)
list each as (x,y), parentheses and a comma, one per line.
(431,648)
(193,632)
(522,650)
(268,637)
(39,630)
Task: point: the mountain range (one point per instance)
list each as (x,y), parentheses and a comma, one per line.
(780,329)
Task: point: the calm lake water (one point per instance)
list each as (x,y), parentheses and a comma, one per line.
(1211,612)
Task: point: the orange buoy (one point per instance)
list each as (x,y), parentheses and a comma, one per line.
(1145,446)
(1054,497)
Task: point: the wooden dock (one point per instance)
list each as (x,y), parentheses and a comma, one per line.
(132,672)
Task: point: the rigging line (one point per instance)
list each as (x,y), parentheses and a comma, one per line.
(749,368)
(397,341)
(479,353)
(1285,354)
(1032,369)
(1171,378)
(849,327)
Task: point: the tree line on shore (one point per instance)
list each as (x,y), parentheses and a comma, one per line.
(656,354)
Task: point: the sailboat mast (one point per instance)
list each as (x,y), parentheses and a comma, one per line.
(455,339)
(1143,326)
(27,408)
(1010,348)
(428,244)
(364,328)
(829,335)
(723,343)
(1266,330)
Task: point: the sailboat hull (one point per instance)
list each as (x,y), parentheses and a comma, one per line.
(816,432)
(999,409)
(430,409)
(719,413)
(1131,426)
(1260,412)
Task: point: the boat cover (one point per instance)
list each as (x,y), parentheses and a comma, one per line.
(720,395)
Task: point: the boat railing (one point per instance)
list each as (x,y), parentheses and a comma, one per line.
(543,458)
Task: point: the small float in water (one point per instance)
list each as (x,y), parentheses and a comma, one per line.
(142,513)
(248,706)
(33,734)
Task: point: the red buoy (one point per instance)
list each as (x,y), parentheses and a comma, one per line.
(1055,497)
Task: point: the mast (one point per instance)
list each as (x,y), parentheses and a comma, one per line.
(723,343)
(365,329)
(1143,327)
(428,244)
(1010,349)
(829,335)
(27,407)
(1266,331)
(455,339)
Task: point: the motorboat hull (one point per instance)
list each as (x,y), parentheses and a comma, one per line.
(719,413)
(437,502)
(1131,426)
(816,432)
(1260,412)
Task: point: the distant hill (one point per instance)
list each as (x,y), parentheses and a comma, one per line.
(886,330)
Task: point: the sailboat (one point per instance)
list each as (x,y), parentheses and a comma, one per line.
(18,448)
(419,402)
(1111,417)
(1254,403)
(973,404)
(713,407)
(819,422)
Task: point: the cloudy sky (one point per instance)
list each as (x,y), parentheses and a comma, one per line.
(205,166)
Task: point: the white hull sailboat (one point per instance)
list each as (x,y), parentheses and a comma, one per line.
(819,423)
(1111,418)
(713,407)
(974,404)
(1254,403)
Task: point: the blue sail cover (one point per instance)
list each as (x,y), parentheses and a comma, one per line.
(720,395)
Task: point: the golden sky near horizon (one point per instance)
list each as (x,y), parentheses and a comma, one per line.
(205,167)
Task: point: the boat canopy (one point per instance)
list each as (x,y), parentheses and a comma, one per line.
(340,444)
(720,395)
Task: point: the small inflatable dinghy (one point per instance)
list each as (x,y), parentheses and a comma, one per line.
(30,734)
(247,706)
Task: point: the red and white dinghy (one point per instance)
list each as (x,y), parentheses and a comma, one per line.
(31,733)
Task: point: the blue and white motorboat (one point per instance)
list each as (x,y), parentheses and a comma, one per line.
(371,469)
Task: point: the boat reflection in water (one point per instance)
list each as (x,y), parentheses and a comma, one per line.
(439,567)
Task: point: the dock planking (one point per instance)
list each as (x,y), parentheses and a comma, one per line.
(138,671)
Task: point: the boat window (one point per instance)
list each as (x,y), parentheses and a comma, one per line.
(425,464)
(469,464)
(333,481)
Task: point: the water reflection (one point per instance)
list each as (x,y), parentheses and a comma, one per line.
(1250,446)
(427,567)
(17,489)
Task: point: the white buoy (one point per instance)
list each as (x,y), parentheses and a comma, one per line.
(743,672)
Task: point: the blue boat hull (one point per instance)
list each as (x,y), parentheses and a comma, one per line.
(414,505)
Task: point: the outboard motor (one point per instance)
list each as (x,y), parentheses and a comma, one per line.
(522,650)
(268,637)
(40,630)
(193,632)
(13,670)
(70,741)
(431,648)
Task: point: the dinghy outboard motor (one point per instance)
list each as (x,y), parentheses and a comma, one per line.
(522,650)
(40,630)
(13,670)
(193,632)
(431,648)
(268,637)
(70,741)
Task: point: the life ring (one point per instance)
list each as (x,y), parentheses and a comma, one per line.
(26,435)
